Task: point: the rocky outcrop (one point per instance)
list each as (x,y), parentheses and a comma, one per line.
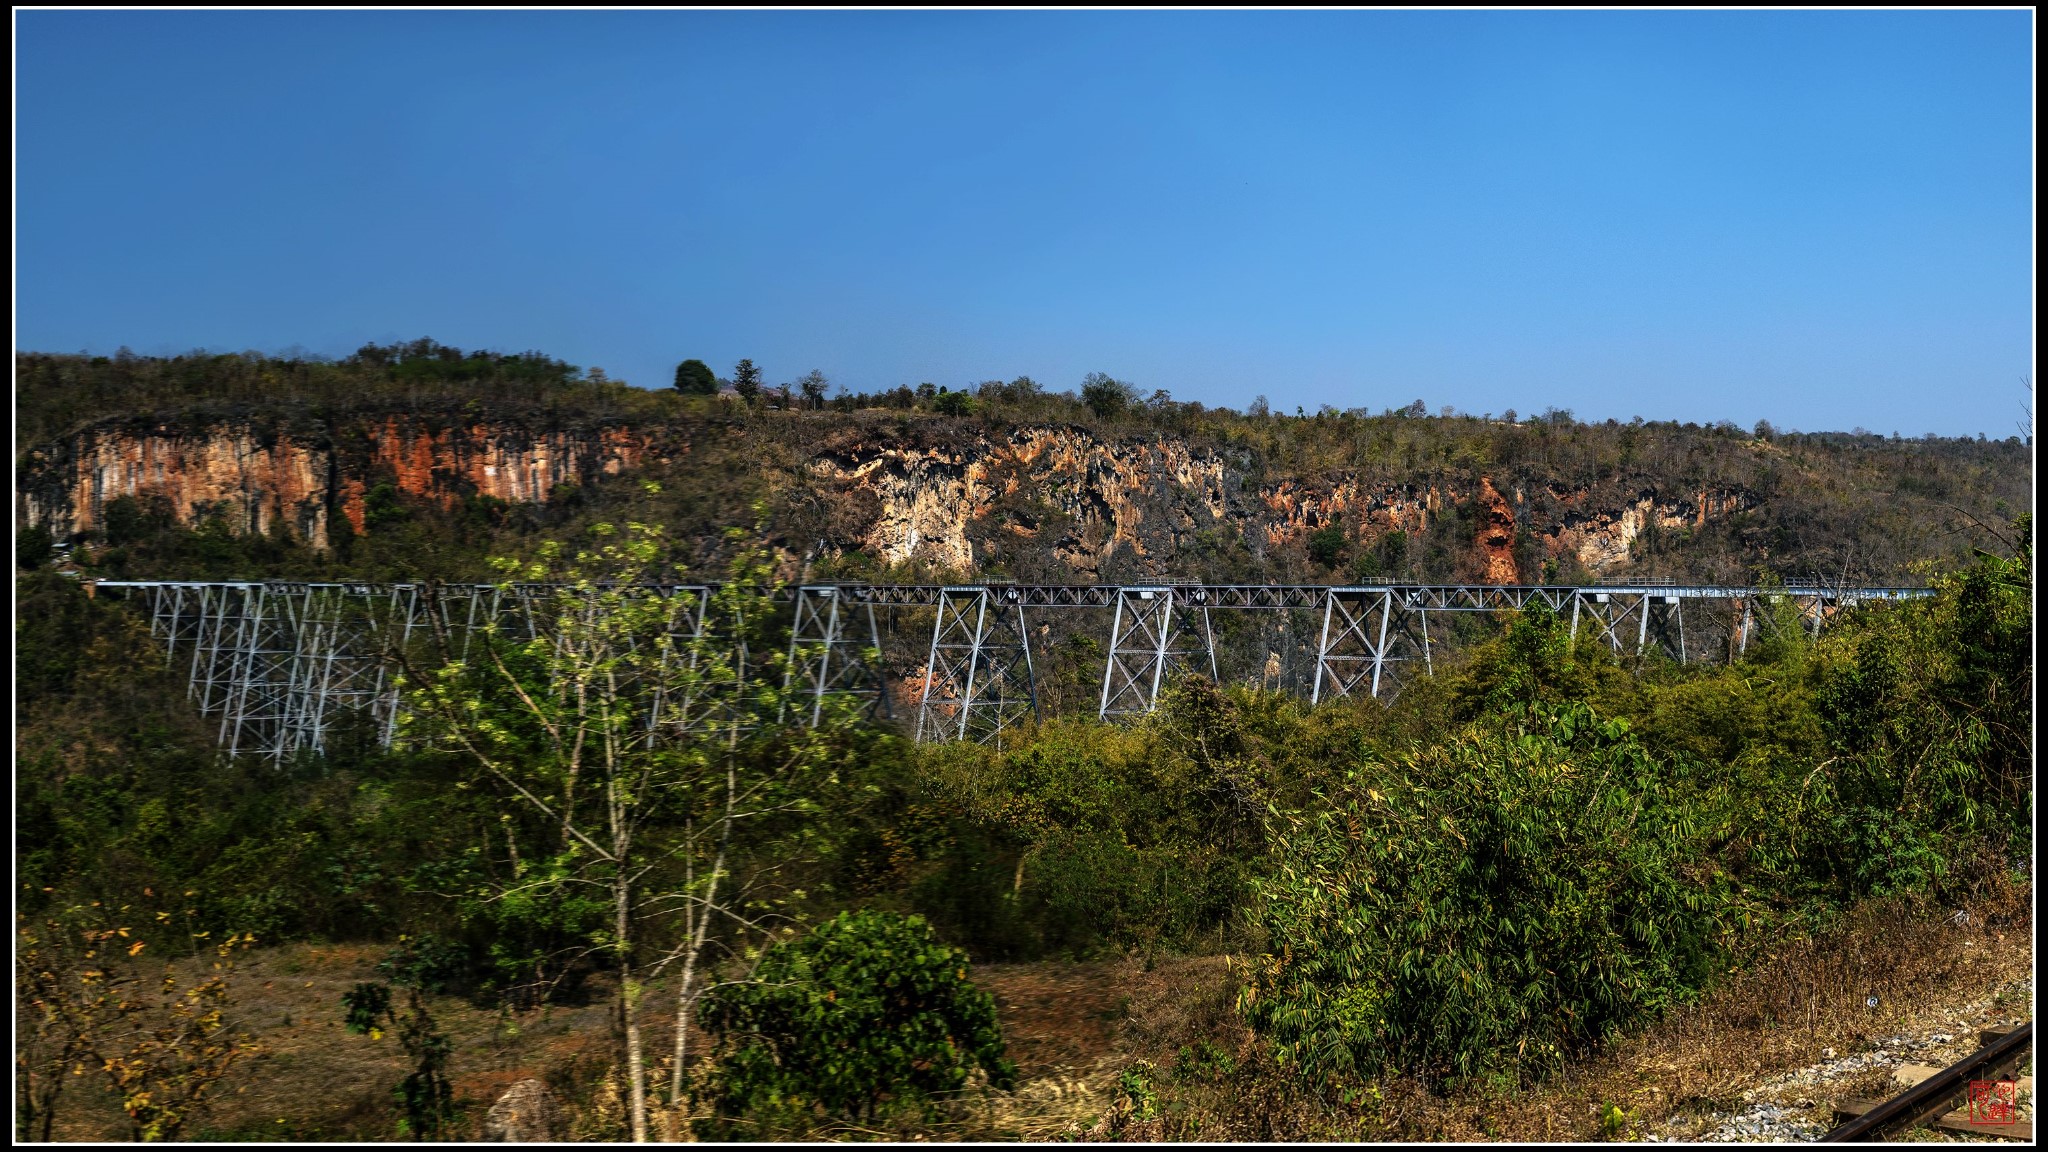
(526,1114)
(258,477)
(1092,496)
(1600,538)
(1069,499)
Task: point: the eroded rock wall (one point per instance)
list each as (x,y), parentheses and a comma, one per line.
(957,501)
(256,477)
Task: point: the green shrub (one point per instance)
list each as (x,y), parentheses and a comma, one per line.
(867,1008)
(1490,904)
(1327,546)
(953,404)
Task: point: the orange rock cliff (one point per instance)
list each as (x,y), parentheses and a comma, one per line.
(961,503)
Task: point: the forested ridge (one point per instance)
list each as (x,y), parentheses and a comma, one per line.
(1854,507)
(1512,865)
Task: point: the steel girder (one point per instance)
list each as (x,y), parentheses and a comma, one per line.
(276,664)
(978,677)
(1147,640)
(1369,633)
(827,653)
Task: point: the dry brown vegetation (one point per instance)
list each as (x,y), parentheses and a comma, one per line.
(1075,1027)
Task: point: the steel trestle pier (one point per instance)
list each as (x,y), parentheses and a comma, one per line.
(277,665)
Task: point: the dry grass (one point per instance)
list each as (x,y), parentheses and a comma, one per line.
(1075,1027)
(1931,971)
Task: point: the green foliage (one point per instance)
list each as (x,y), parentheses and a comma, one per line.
(1327,546)
(866,1008)
(365,1009)
(746,380)
(1926,711)
(1530,663)
(953,404)
(1108,397)
(695,378)
(425,1098)
(1203,1062)
(1136,1094)
(1504,893)
(1089,837)
(1496,902)
(33,547)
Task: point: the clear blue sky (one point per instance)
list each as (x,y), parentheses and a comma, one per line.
(1819,219)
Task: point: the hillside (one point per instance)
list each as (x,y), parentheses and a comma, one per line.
(421,460)
(1547,886)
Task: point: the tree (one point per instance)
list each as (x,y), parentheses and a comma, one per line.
(1107,396)
(645,743)
(953,404)
(694,378)
(867,1006)
(33,547)
(1490,904)
(746,380)
(813,384)
(1327,545)
(162,1042)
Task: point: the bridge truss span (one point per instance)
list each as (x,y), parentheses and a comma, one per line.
(279,666)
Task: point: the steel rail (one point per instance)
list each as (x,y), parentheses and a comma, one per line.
(1186,594)
(1939,1094)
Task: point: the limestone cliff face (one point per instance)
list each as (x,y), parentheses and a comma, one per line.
(1600,537)
(1091,497)
(257,477)
(1082,498)
(963,501)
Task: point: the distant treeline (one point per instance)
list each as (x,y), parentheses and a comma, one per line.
(57,393)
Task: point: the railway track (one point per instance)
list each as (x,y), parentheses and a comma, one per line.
(1933,1099)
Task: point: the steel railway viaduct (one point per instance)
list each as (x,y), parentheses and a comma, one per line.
(277,663)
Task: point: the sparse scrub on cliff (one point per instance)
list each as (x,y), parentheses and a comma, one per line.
(311,437)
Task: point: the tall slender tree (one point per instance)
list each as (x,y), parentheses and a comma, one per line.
(646,741)
(746,380)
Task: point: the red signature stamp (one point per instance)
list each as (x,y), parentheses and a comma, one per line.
(1994,1101)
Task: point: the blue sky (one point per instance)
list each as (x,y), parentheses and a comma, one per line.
(1820,219)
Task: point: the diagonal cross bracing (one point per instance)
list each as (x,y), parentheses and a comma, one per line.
(1149,641)
(829,646)
(278,666)
(1370,636)
(978,678)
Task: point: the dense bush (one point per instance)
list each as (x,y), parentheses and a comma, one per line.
(1580,848)
(1499,900)
(867,1008)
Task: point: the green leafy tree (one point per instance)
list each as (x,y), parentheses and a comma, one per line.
(1926,708)
(953,404)
(33,547)
(1327,545)
(646,743)
(1107,396)
(868,1007)
(1490,904)
(694,378)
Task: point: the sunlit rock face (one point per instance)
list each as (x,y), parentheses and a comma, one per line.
(256,478)
(1069,498)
